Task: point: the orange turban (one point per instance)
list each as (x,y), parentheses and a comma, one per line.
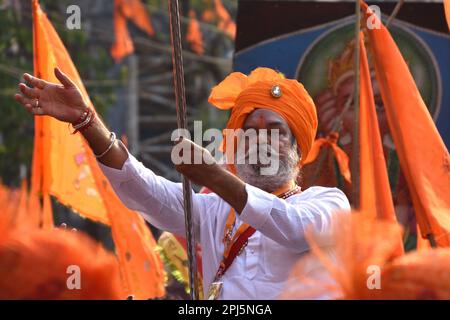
(265,88)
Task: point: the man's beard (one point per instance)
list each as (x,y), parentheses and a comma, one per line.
(288,170)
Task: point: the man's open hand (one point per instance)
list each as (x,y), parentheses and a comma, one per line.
(61,101)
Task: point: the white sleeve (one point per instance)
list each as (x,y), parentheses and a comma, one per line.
(159,200)
(286,223)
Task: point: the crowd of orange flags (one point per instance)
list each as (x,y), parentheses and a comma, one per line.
(65,168)
(136,12)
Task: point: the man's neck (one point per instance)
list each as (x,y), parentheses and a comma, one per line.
(285,188)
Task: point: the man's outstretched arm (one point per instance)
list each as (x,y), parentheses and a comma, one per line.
(65,103)
(160,200)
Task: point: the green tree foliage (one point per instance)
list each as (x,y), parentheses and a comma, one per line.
(91,57)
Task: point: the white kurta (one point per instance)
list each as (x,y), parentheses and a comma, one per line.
(262,270)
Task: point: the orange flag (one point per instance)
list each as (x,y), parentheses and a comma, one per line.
(423,157)
(21,212)
(339,154)
(8,202)
(422,244)
(194,35)
(69,171)
(123,45)
(375,192)
(34,210)
(447,12)
(136,12)
(226,24)
(23,200)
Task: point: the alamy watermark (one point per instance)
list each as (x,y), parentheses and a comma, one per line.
(374,277)
(74,279)
(73,22)
(250,146)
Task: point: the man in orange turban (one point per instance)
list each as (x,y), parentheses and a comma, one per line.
(252,226)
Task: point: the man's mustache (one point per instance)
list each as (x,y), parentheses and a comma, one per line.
(260,153)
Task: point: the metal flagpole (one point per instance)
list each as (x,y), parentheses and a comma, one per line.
(180,99)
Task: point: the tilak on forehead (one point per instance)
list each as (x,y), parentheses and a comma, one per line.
(265,88)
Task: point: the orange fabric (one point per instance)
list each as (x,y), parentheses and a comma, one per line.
(77,181)
(447,12)
(34,210)
(422,243)
(22,208)
(243,94)
(16,209)
(8,201)
(208,15)
(47,213)
(34,265)
(366,250)
(341,157)
(123,45)
(423,157)
(194,34)
(137,13)
(375,191)
(226,24)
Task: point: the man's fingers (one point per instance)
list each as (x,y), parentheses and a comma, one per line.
(23,100)
(29,104)
(37,111)
(35,82)
(65,80)
(29,92)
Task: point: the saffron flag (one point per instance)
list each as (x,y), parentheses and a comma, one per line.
(67,169)
(123,45)
(8,201)
(423,156)
(375,192)
(226,24)
(18,209)
(34,210)
(194,34)
(136,12)
(447,12)
(21,211)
